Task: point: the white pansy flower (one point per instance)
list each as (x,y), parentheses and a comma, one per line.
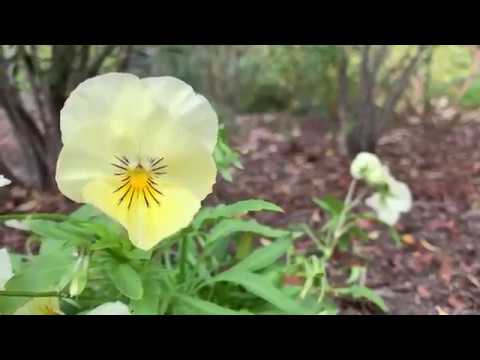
(390,204)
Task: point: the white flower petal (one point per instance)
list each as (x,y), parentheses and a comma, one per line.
(111,308)
(116,102)
(4,181)
(400,196)
(187,109)
(385,213)
(6,271)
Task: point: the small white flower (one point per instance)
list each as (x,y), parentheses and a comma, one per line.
(368,167)
(4,181)
(111,308)
(390,204)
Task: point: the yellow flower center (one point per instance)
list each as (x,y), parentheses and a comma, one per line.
(138,182)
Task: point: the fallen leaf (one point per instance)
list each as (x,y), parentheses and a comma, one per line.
(445,270)
(456,303)
(429,246)
(441,311)
(408,239)
(423,292)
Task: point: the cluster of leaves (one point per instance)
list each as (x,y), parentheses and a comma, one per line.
(337,234)
(87,260)
(211,267)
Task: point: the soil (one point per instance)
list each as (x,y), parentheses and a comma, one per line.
(435,271)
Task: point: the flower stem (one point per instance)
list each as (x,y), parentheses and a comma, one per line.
(34,216)
(29,294)
(183,256)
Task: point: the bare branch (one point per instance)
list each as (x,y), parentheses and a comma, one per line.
(127,57)
(402,82)
(98,61)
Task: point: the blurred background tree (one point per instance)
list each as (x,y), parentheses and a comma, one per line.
(359,91)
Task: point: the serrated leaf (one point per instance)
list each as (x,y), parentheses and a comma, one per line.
(263,257)
(262,287)
(126,280)
(232,210)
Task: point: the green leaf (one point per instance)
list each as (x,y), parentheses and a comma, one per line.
(63,232)
(85,212)
(232,210)
(18,262)
(262,287)
(148,304)
(126,280)
(263,257)
(194,306)
(330,204)
(355,274)
(357,291)
(44,273)
(230,226)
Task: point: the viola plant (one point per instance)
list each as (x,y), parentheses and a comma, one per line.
(389,200)
(140,150)
(140,156)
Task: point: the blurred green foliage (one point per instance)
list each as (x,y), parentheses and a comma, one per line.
(297,78)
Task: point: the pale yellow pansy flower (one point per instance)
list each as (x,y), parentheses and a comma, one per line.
(51,306)
(4,181)
(140,150)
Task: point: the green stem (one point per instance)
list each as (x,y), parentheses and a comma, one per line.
(44,294)
(33,216)
(29,294)
(183,256)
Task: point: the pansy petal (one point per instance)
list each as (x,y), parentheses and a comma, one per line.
(146,225)
(40,306)
(111,308)
(190,111)
(385,213)
(6,271)
(90,158)
(188,163)
(114,101)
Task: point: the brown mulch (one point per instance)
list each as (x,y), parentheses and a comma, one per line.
(437,271)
